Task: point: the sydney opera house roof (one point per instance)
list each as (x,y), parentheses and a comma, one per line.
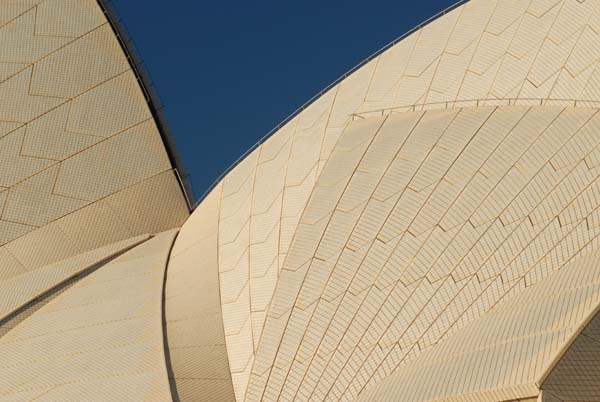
(426,229)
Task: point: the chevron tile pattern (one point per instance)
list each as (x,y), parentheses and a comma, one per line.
(75,125)
(483,53)
(531,328)
(427,230)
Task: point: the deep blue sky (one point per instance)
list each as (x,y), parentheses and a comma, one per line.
(229,71)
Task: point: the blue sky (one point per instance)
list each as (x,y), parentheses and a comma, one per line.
(228,72)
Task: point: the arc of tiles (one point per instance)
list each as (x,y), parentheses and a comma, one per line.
(480,53)
(522,339)
(399,246)
(194,322)
(101,339)
(23,291)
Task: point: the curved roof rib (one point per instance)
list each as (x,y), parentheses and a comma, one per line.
(100,340)
(194,322)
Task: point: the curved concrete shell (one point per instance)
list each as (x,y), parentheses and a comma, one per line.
(79,146)
(484,53)
(425,230)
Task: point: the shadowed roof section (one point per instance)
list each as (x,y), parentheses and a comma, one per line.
(100,340)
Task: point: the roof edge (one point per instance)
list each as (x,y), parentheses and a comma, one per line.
(564,349)
(295,113)
(152,99)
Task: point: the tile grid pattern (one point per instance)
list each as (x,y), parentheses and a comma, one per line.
(194,322)
(482,50)
(575,377)
(339,251)
(24,294)
(475,206)
(101,340)
(503,355)
(75,127)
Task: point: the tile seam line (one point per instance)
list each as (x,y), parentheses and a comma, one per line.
(413,128)
(249,258)
(219,190)
(309,262)
(459,154)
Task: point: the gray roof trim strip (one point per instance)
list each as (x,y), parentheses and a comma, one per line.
(151,98)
